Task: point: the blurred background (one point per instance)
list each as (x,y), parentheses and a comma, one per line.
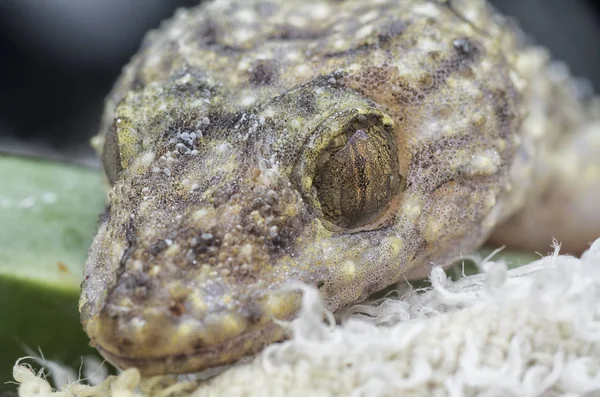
(59,58)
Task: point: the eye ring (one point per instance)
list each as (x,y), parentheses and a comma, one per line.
(349,170)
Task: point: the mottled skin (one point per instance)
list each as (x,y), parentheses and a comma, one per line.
(225,136)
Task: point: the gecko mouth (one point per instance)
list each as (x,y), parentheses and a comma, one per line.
(228,352)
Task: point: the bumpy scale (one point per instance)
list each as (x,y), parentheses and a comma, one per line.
(344,144)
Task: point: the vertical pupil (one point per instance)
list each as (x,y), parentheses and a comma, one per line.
(356,177)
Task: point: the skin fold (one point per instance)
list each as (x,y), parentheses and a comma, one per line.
(343,144)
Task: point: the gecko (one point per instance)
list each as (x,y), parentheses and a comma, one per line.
(342,144)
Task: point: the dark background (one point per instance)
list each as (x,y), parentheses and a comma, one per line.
(58,59)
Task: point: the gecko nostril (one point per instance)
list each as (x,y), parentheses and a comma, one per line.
(177,309)
(253,312)
(199,344)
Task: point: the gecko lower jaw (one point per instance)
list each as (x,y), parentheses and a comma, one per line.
(157,339)
(197,360)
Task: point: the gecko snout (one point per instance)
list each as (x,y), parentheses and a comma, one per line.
(197,283)
(192,333)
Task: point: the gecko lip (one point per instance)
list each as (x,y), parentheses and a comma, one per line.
(197,360)
(156,340)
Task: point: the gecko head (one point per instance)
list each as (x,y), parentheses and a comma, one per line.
(214,208)
(208,224)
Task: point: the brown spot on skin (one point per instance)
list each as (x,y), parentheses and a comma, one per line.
(385,86)
(207,33)
(199,345)
(352,52)
(290,32)
(307,103)
(263,72)
(395,28)
(177,308)
(157,247)
(504,111)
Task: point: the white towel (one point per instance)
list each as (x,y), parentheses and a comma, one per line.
(530,331)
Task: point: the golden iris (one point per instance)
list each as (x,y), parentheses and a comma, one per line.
(356,175)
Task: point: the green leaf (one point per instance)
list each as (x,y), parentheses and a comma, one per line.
(48,214)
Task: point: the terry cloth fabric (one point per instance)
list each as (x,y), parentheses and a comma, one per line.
(529,331)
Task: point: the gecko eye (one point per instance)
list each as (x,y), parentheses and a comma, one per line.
(355,172)
(111,158)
